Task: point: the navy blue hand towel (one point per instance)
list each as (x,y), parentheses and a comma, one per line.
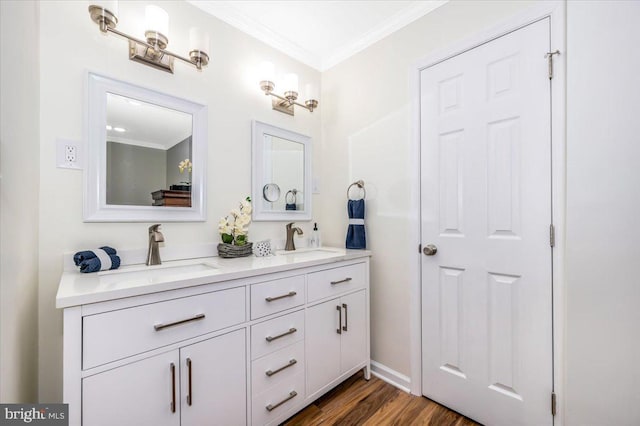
(90,254)
(356,238)
(97,260)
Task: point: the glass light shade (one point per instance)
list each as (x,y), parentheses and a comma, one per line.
(266,71)
(110,5)
(198,40)
(157,19)
(310,92)
(290,82)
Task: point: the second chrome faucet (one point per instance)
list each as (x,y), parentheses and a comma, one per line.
(290,245)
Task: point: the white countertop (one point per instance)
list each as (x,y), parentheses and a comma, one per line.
(134,280)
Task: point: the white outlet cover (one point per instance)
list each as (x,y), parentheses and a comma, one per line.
(61,161)
(315,184)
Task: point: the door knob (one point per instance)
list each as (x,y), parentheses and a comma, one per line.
(430,250)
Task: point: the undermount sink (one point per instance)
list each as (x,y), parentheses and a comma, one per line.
(303,253)
(156,273)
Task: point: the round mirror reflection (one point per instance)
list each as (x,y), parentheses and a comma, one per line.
(271,192)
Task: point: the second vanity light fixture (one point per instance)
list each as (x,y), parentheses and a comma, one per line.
(153,51)
(285,102)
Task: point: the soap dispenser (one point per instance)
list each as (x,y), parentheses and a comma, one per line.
(315,236)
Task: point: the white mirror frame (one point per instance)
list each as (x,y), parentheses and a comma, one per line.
(258,131)
(96,208)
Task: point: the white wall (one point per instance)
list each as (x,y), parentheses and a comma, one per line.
(228,86)
(366,126)
(603,207)
(19,168)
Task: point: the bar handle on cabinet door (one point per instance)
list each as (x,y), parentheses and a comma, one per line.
(271,299)
(189,394)
(271,407)
(346,280)
(173,387)
(159,327)
(339,330)
(346,318)
(271,338)
(291,363)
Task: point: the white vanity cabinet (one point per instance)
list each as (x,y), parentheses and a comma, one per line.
(338,328)
(184,386)
(233,347)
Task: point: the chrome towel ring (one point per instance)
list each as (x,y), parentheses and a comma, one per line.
(359,184)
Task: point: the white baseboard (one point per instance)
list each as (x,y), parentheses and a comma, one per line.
(391,376)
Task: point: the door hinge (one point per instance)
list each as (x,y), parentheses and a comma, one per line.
(553,403)
(549,57)
(419,248)
(552,235)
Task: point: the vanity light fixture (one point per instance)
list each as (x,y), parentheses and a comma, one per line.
(286,102)
(153,51)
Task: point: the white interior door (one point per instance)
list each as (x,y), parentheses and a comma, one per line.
(486,206)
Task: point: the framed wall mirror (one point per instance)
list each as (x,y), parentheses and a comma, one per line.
(281,174)
(146,155)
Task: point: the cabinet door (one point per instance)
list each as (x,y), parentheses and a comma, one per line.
(140,393)
(354,332)
(214,381)
(323,344)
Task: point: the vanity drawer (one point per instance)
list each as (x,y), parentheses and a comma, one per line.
(269,336)
(118,334)
(331,282)
(277,367)
(269,405)
(274,296)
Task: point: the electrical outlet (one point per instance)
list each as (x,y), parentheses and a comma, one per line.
(68,154)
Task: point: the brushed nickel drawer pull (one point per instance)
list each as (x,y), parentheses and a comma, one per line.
(339,330)
(271,373)
(159,327)
(172,367)
(271,299)
(346,280)
(346,318)
(292,395)
(271,338)
(190,394)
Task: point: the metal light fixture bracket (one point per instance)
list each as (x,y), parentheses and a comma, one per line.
(151,52)
(285,103)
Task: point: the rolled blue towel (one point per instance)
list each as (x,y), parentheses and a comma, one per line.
(90,254)
(96,260)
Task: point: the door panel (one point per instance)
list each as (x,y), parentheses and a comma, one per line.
(134,394)
(354,331)
(218,391)
(486,205)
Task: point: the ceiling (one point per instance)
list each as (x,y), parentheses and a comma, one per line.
(145,124)
(320,34)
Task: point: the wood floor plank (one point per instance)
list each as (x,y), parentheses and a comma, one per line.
(357,402)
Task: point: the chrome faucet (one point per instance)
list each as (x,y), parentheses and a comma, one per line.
(290,231)
(155,237)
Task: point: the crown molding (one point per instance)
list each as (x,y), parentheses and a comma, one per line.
(232,16)
(399,20)
(226,12)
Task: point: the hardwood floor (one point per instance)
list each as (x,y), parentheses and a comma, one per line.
(373,403)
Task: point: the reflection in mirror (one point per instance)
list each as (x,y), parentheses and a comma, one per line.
(281,174)
(146,155)
(284,167)
(143,158)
